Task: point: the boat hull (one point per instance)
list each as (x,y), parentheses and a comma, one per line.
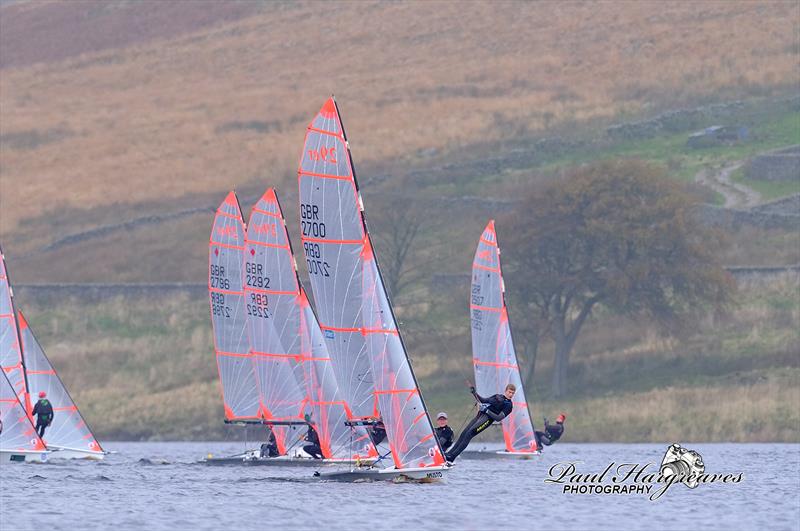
(500,454)
(23,456)
(251,458)
(429,474)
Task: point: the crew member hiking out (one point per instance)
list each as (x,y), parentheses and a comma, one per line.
(44,413)
(443,432)
(492,409)
(552,432)
(312,438)
(377,432)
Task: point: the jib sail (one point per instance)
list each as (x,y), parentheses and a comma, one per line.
(69,429)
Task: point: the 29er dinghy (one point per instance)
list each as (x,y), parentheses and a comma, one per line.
(494,358)
(291,373)
(18,438)
(354,312)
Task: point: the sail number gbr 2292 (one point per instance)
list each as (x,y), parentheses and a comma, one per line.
(314,228)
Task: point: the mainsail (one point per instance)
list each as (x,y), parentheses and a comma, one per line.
(228,313)
(68,430)
(10,344)
(360,331)
(493,353)
(16,430)
(294,369)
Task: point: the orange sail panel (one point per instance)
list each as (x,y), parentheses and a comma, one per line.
(494,358)
(10,344)
(228,312)
(294,369)
(17,432)
(359,327)
(68,429)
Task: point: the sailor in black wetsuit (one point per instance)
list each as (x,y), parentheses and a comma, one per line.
(494,408)
(377,432)
(312,448)
(270,449)
(551,432)
(44,411)
(443,432)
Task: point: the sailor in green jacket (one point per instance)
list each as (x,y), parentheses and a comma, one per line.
(44,411)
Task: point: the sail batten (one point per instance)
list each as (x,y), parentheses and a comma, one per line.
(494,358)
(359,326)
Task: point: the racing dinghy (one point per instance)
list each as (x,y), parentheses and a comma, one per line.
(18,438)
(355,315)
(494,359)
(291,374)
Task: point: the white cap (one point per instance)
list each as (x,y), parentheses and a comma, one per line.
(441,415)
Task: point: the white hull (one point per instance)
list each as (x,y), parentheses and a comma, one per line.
(500,454)
(26,456)
(60,452)
(421,475)
(251,458)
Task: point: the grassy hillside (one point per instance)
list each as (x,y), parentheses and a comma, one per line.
(201,100)
(144,368)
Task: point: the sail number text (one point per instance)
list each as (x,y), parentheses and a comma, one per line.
(218,278)
(254,276)
(218,305)
(316,266)
(309,221)
(477,315)
(257,306)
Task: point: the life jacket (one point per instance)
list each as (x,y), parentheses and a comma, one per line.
(44,410)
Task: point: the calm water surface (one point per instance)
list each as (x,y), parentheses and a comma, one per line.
(157,486)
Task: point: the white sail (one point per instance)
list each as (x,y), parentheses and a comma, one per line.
(68,430)
(494,358)
(355,316)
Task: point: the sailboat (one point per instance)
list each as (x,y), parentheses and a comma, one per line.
(29,371)
(355,314)
(18,438)
(494,359)
(289,373)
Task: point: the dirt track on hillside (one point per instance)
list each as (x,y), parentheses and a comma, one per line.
(736,195)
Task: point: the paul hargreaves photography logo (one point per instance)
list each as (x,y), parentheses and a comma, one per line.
(679,465)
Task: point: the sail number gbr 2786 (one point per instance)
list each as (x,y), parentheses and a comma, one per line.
(314,228)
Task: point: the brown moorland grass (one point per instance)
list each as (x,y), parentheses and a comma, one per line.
(226,104)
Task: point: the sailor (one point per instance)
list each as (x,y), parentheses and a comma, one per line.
(270,448)
(492,409)
(44,412)
(312,448)
(551,432)
(377,432)
(443,432)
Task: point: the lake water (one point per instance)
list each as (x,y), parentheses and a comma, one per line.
(157,486)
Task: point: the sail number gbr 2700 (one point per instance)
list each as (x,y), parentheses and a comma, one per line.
(314,228)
